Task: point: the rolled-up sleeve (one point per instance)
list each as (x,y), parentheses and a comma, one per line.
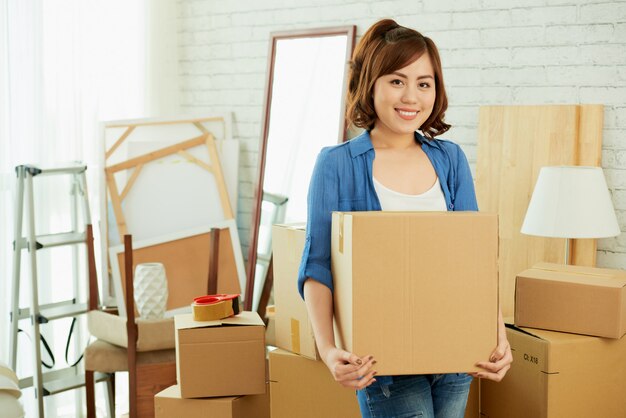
(322,200)
(465,196)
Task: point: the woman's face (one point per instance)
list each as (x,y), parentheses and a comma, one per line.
(404,99)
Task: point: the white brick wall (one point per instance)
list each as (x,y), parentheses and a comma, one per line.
(534,52)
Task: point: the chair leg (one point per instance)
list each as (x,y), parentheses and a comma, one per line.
(113,385)
(91,394)
(110,394)
(132,394)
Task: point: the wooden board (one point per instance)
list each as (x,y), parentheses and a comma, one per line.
(514,142)
(186,262)
(591,122)
(151,379)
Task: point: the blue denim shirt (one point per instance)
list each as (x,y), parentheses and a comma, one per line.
(342,181)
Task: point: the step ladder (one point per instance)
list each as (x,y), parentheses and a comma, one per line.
(57,380)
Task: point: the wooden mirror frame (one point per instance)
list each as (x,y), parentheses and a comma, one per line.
(350,32)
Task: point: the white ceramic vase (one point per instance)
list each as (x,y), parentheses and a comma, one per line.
(150,286)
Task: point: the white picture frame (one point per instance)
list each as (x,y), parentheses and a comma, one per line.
(136,143)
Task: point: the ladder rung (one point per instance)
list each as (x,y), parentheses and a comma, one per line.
(54,240)
(61,385)
(50,376)
(64,311)
(69,169)
(57,310)
(59,380)
(23,313)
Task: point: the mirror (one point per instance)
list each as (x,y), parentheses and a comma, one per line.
(304,112)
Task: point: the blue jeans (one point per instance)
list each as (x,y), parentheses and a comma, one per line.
(419,396)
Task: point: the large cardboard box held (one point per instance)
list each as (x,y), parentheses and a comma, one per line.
(220,358)
(293,328)
(417,290)
(557,375)
(169,404)
(581,300)
(304,388)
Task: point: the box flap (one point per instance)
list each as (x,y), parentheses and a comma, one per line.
(553,337)
(185,321)
(295,225)
(576,274)
(394,214)
(512,326)
(174,393)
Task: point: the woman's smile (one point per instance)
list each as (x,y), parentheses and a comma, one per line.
(407,114)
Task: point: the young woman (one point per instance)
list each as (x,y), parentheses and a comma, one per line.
(395,89)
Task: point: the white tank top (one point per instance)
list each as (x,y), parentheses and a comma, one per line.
(431,200)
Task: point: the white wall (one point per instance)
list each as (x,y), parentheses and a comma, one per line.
(161,59)
(532,52)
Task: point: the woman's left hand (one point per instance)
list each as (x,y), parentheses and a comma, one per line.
(500,360)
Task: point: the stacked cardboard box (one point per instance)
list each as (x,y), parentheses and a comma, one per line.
(293,331)
(170,403)
(579,300)
(220,367)
(304,388)
(557,371)
(270,331)
(453,254)
(300,383)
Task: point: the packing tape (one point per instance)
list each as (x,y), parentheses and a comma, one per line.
(215,307)
(567,269)
(295,335)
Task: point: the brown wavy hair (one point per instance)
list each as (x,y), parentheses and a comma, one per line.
(384,48)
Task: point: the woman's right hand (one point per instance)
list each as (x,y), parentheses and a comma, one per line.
(350,370)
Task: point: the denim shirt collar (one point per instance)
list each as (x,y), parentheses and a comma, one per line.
(363,143)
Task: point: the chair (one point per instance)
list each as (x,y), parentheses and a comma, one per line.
(151,366)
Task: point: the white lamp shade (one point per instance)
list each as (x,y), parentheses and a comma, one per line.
(571,202)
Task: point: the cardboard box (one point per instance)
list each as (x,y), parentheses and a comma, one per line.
(169,404)
(220,358)
(304,388)
(270,329)
(557,375)
(293,328)
(417,290)
(581,300)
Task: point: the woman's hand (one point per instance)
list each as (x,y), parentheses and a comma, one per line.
(499,362)
(348,369)
(501,358)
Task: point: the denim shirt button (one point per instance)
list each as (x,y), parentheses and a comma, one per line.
(451,205)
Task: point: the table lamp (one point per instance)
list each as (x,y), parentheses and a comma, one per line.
(571,202)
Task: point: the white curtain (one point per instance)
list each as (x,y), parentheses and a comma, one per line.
(65,65)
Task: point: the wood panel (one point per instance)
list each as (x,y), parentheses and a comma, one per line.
(186,263)
(514,143)
(583,251)
(151,379)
